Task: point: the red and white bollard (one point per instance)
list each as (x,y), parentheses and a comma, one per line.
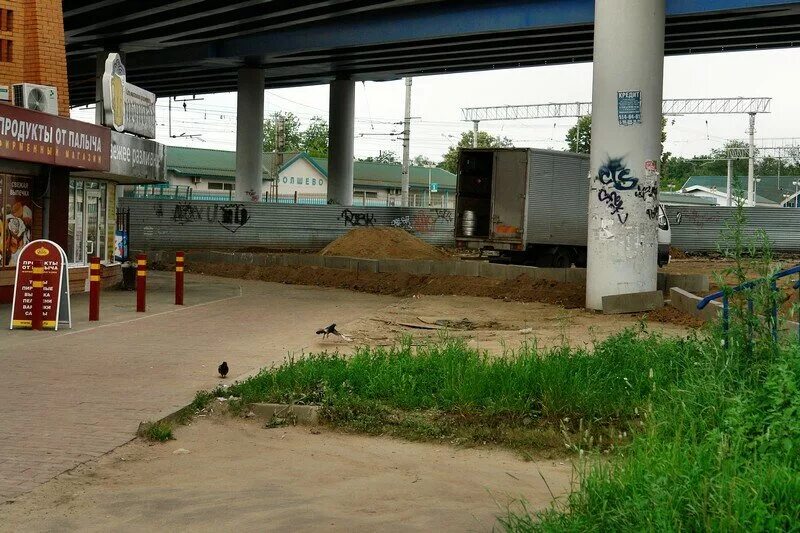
(179,264)
(37,305)
(141,282)
(94,289)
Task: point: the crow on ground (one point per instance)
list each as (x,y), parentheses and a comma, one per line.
(330,330)
(223,369)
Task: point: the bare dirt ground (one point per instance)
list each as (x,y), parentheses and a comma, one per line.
(493,325)
(238,476)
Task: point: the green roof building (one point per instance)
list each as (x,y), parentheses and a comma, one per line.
(770,190)
(298,176)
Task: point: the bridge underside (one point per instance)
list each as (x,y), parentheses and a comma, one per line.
(196,46)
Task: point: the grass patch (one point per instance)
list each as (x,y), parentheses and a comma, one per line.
(160,431)
(529,399)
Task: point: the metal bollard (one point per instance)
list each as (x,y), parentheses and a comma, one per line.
(94,289)
(141,282)
(37,283)
(179,264)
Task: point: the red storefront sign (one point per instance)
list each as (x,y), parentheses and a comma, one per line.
(54,296)
(37,137)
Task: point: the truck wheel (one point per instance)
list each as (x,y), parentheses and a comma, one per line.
(561,259)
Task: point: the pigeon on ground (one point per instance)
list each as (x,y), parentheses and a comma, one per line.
(223,369)
(331,330)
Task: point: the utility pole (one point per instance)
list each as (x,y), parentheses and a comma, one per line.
(406,145)
(751,132)
(730,182)
(475,133)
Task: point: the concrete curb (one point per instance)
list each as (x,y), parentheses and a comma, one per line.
(689,282)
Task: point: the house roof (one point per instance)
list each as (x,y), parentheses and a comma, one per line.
(221,164)
(677,198)
(771,188)
(206,163)
(760,200)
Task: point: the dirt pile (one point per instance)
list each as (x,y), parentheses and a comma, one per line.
(671,315)
(382,243)
(677,253)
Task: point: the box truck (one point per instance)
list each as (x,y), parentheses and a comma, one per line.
(529,206)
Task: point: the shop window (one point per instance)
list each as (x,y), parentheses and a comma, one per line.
(6,51)
(87,230)
(6,20)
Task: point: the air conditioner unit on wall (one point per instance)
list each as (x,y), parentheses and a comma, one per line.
(36,97)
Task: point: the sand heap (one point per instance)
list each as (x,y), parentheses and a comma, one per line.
(382,243)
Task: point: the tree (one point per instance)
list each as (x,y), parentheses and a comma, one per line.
(485,140)
(314,139)
(291,132)
(580,143)
(583,144)
(386,157)
(422,161)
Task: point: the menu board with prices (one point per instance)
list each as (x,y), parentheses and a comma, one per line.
(55,304)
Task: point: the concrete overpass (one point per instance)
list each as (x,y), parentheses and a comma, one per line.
(176,47)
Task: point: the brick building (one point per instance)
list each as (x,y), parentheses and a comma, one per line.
(58,176)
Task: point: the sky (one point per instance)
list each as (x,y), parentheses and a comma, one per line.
(209,121)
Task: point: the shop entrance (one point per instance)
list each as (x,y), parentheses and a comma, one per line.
(88,201)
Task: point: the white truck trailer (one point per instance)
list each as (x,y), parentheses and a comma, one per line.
(529,206)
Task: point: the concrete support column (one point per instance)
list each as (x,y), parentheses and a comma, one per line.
(249,134)
(751,160)
(475,129)
(342,133)
(626,148)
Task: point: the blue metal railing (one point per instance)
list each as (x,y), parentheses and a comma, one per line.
(773,285)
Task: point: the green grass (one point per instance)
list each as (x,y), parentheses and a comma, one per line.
(160,431)
(530,400)
(720,452)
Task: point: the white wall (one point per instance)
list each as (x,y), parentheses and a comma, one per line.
(304,178)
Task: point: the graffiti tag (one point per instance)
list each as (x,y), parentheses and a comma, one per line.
(230,216)
(403,223)
(648,191)
(445,215)
(357,219)
(423,223)
(234,216)
(186,213)
(615,172)
(614,202)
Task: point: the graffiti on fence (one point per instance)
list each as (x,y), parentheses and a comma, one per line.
(403,223)
(232,217)
(445,215)
(352,218)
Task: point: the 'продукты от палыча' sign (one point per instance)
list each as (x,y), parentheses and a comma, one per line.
(55,289)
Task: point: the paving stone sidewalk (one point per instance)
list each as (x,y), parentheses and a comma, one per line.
(73,395)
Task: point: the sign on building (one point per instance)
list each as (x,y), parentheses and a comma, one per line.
(55,305)
(27,135)
(127,107)
(137,158)
(434,187)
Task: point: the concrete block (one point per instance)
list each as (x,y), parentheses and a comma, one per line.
(695,283)
(443,268)
(467,268)
(392,265)
(554,274)
(687,302)
(661,281)
(308,260)
(419,267)
(634,302)
(575,275)
(367,265)
(341,263)
(300,414)
(515,271)
(491,270)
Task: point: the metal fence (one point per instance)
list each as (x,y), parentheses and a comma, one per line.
(197,224)
(698,229)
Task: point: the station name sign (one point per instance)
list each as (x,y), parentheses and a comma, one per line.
(27,135)
(126,107)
